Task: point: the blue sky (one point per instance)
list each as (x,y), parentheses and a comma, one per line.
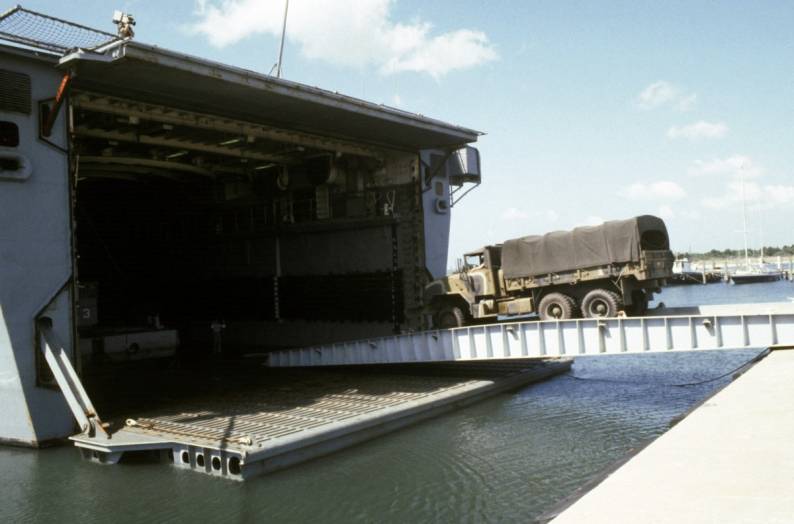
(593,110)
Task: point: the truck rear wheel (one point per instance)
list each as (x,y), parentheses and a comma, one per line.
(600,303)
(450,317)
(556,306)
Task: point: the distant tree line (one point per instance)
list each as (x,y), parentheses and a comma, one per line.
(769,251)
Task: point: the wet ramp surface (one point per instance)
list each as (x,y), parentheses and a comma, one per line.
(285,418)
(254,418)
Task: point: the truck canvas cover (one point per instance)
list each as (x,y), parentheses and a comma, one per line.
(614,242)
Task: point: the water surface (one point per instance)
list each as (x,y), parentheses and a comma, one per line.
(508,458)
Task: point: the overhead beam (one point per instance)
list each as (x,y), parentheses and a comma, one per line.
(176,143)
(166,115)
(90,173)
(125,171)
(145,162)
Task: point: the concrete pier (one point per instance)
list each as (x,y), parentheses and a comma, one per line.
(730,460)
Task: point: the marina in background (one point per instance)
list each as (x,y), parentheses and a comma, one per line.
(733,270)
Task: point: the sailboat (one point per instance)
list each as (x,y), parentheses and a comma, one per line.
(750,274)
(755,274)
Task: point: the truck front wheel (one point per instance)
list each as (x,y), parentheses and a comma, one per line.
(450,317)
(556,306)
(600,303)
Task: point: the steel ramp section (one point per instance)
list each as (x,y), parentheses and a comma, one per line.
(728,327)
(241,434)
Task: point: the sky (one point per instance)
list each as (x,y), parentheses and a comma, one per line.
(591,111)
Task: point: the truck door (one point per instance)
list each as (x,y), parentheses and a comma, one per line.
(493,260)
(35,250)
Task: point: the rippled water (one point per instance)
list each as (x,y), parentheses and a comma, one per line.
(509,458)
(780,291)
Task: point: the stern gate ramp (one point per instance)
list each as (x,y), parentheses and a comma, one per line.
(294,417)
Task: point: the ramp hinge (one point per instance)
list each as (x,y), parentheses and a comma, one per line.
(65,375)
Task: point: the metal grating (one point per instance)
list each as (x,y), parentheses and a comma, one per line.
(41,31)
(269,421)
(277,413)
(14,92)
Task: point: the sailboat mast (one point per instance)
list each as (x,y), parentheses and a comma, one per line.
(744,219)
(760,231)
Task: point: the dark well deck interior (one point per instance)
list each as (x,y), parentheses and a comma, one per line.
(283,418)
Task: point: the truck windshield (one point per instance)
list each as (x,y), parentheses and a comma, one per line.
(473,260)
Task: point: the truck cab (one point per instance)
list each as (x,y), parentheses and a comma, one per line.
(482,267)
(475,291)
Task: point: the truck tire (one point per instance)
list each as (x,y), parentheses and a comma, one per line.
(556,306)
(450,317)
(600,303)
(639,306)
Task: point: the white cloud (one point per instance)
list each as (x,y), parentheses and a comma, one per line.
(756,196)
(515,214)
(592,220)
(698,130)
(731,166)
(657,94)
(347,33)
(666,212)
(512,213)
(661,190)
(663,93)
(691,214)
(739,175)
(686,102)
(461,49)
(733,195)
(779,194)
(550,215)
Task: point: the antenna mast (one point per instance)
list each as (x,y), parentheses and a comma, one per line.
(283,34)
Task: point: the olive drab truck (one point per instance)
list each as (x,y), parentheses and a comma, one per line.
(593,271)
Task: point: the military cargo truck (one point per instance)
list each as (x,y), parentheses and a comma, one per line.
(593,271)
